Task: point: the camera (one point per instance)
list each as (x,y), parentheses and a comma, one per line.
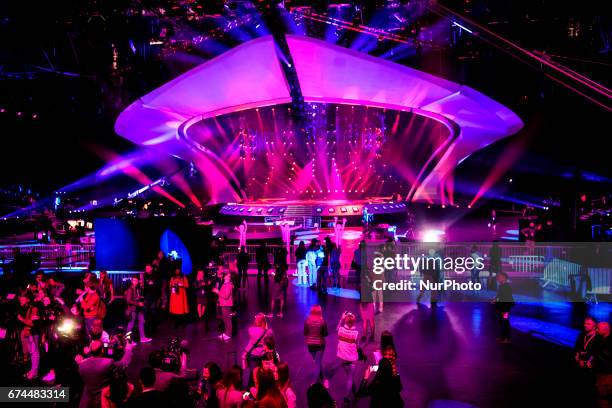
(172,353)
(115,347)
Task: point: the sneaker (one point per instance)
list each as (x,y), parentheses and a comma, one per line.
(225,337)
(221,336)
(326,383)
(50,377)
(31,375)
(145,340)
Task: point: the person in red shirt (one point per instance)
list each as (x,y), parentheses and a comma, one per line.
(90,304)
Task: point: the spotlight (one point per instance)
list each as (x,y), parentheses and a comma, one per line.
(432,235)
(67,328)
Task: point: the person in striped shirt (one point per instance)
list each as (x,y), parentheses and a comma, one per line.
(315,331)
(348,354)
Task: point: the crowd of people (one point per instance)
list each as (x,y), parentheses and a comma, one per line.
(63,337)
(65,342)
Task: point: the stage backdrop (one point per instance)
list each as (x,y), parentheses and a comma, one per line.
(129,244)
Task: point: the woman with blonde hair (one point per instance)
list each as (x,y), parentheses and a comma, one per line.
(255,348)
(315,331)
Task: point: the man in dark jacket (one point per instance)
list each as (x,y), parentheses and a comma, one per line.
(504,302)
(149,396)
(242,263)
(135,308)
(602,365)
(261,257)
(96,372)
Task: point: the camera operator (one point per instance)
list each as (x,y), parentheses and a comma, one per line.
(135,308)
(97,371)
(169,364)
(51,313)
(29,316)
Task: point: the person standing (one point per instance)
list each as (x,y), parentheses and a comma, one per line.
(135,309)
(90,303)
(255,349)
(284,384)
(151,290)
(300,259)
(261,257)
(226,302)
(242,231)
(242,263)
(179,307)
(348,351)
(105,288)
(602,366)
(29,317)
(382,386)
(495,264)
(281,282)
(200,293)
(475,271)
(334,265)
(311,260)
(97,371)
(504,302)
(315,332)
(161,265)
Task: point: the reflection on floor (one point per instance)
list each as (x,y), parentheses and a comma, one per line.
(447,355)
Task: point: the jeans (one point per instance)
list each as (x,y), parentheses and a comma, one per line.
(322,278)
(335,273)
(349,370)
(312,273)
(317,356)
(475,275)
(226,316)
(301,270)
(504,324)
(262,270)
(137,315)
(150,313)
(30,346)
(242,275)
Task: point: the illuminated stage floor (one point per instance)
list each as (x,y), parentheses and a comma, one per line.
(444,354)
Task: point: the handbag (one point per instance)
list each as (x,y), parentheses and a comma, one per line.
(247,355)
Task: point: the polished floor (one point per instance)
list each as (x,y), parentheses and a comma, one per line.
(448,355)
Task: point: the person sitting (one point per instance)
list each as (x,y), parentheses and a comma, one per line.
(118,392)
(149,396)
(382,386)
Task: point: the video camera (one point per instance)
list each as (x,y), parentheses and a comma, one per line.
(115,347)
(172,355)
